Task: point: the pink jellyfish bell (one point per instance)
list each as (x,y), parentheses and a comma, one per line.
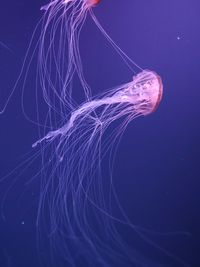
(92,2)
(146,91)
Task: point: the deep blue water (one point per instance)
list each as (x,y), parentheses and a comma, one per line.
(158,164)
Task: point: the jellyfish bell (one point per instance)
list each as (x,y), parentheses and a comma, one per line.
(158,92)
(146,90)
(92,2)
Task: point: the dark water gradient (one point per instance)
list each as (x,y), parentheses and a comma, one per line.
(158,163)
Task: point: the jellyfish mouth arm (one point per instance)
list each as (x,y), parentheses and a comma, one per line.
(47,6)
(113,103)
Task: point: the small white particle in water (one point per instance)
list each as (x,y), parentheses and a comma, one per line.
(178,38)
(22,223)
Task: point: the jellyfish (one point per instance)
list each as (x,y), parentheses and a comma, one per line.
(78,148)
(75,218)
(139,97)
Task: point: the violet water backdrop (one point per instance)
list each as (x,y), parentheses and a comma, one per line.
(157,170)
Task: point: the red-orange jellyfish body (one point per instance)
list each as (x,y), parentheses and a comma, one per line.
(160,93)
(93,2)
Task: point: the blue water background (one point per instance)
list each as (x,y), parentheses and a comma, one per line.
(158,163)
